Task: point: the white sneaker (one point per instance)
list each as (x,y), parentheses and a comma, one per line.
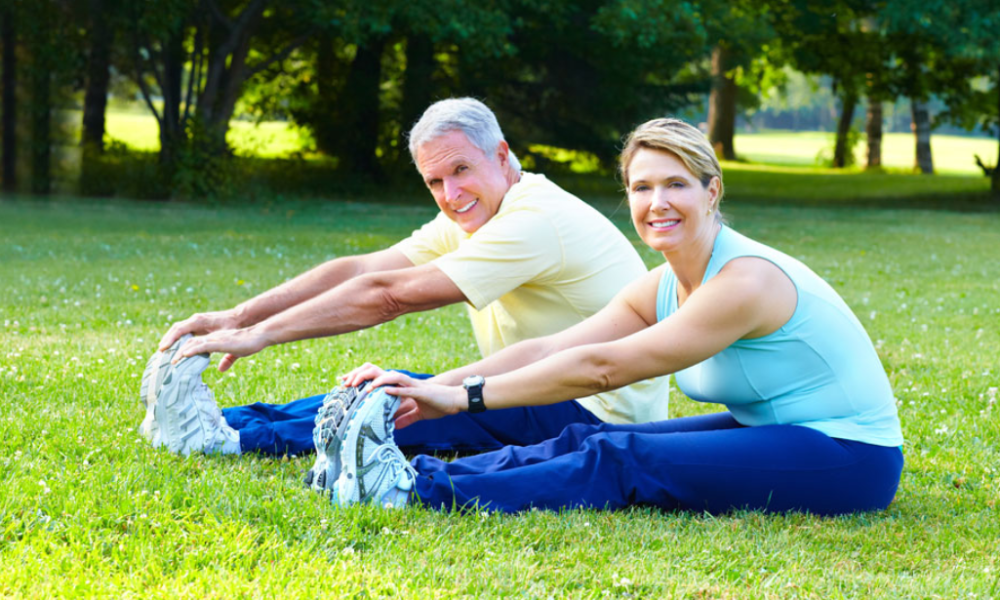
(373,469)
(188,417)
(331,426)
(152,383)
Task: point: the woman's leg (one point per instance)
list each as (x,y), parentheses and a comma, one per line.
(773,468)
(568,440)
(493,429)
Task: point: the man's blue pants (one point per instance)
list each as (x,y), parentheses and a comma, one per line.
(706,463)
(287,428)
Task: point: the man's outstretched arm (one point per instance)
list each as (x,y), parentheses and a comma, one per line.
(295,291)
(361,302)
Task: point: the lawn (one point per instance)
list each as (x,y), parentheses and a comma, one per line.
(89,509)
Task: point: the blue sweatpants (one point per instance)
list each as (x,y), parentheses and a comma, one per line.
(287,428)
(705,463)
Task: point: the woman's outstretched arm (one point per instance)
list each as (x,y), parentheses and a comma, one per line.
(750,297)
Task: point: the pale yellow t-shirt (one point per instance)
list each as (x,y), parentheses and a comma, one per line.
(545,261)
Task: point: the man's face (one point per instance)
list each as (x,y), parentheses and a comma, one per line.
(467,184)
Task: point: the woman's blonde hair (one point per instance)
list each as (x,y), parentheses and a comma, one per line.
(680,139)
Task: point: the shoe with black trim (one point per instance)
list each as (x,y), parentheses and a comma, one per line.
(331,423)
(373,469)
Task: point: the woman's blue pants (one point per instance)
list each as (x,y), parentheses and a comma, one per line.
(706,463)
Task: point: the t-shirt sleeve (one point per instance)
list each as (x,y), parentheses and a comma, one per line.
(507,252)
(429,242)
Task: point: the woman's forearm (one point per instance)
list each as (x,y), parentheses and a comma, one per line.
(573,373)
(510,358)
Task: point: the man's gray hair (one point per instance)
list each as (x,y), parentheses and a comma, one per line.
(468,115)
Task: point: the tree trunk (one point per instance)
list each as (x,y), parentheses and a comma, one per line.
(41,131)
(417,89)
(995,180)
(39,46)
(722,106)
(95,100)
(226,72)
(873,129)
(361,110)
(841,149)
(9,83)
(921,126)
(322,119)
(171,128)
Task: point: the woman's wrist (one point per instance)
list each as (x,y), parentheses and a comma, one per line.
(460,399)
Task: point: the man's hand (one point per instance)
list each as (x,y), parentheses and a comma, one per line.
(200,324)
(235,343)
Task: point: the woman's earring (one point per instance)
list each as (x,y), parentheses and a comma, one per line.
(710,209)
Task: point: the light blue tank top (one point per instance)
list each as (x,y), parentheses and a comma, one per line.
(819,370)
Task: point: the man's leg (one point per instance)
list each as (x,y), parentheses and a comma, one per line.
(774,468)
(276,428)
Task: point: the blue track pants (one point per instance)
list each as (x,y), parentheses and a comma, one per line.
(287,428)
(705,463)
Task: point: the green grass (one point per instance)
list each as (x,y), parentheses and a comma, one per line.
(89,509)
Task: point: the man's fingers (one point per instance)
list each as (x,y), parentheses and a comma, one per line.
(227,362)
(173,334)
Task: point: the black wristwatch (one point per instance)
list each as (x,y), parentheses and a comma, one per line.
(473,384)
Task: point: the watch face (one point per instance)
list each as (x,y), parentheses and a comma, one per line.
(473,380)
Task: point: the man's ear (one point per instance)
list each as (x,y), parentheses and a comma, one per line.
(503,153)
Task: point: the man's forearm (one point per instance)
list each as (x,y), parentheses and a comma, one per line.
(362,302)
(294,292)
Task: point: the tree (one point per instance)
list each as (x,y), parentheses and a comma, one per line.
(960,37)
(100,38)
(50,47)
(8,38)
(582,74)
(196,55)
(837,40)
(739,33)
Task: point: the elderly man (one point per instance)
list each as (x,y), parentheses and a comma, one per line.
(528,258)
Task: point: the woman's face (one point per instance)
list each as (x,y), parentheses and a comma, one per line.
(669,204)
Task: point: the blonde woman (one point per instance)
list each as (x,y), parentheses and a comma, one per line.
(809,424)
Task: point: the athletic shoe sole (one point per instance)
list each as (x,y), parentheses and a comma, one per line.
(359,429)
(176,410)
(331,422)
(152,383)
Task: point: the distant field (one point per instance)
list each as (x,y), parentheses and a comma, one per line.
(952,154)
(270,139)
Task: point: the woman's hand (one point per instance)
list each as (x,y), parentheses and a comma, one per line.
(365,372)
(420,399)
